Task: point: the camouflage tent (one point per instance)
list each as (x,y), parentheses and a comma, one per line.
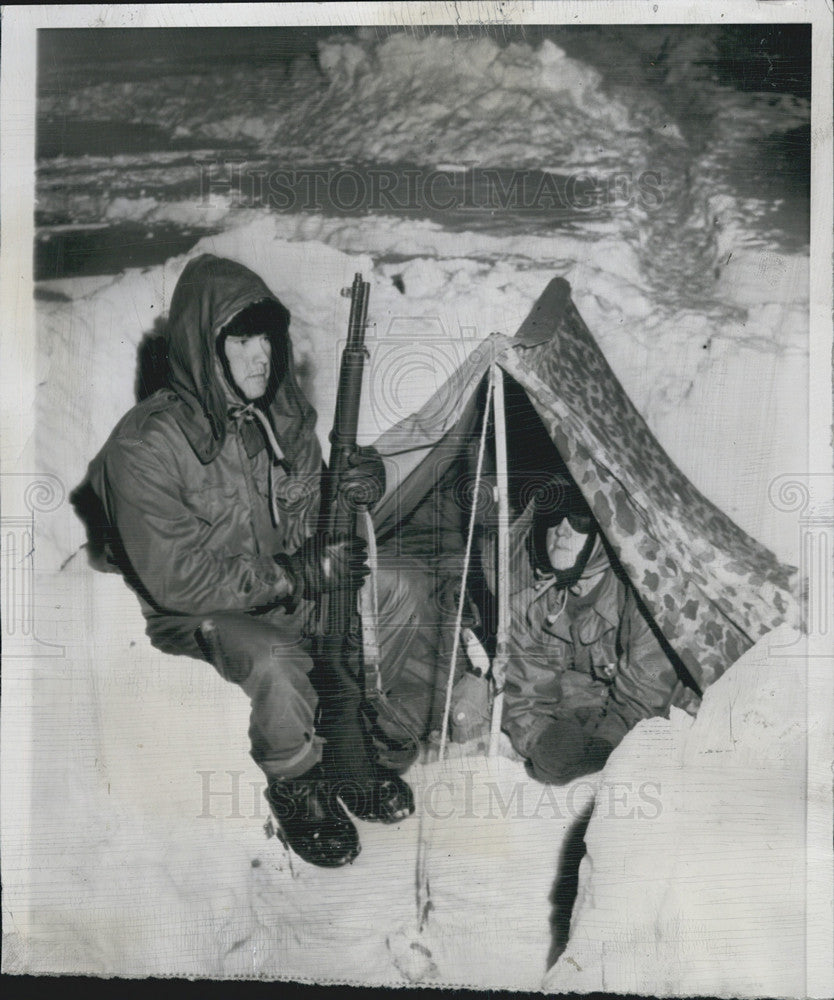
(710,588)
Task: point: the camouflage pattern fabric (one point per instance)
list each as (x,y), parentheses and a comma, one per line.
(711,589)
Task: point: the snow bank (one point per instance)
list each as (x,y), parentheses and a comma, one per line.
(694,378)
(399,99)
(152,867)
(145,852)
(406,101)
(437,98)
(704,889)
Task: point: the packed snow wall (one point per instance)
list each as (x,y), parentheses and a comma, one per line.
(706,890)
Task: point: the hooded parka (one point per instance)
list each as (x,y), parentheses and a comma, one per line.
(186,477)
(200,490)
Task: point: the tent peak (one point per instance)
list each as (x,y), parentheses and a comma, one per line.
(539,326)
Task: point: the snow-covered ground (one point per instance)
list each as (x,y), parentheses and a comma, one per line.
(700,306)
(714,872)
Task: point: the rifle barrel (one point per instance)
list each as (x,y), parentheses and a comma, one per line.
(338,611)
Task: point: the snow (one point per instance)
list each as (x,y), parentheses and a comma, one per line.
(159,865)
(132,830)
(694,379)
(131,857)
(394,99)
(724,837)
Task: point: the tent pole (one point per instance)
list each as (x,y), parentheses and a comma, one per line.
(444,732)
(499,663)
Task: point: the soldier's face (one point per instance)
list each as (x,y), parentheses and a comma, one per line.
(249,360)
(565,541)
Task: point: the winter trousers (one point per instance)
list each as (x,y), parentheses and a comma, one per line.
(269,656)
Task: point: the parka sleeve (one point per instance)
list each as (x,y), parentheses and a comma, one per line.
(646,680)
(165,545)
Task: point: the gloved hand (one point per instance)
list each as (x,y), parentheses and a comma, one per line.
(363,482)
(323,564)
(563,752)
(558,752)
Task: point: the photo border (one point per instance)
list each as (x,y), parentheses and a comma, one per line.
(18,69)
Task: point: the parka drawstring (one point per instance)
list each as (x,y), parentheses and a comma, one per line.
(247,414)
(543,583)
(556,615)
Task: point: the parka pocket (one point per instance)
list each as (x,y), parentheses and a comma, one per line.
(211,504)
(296,505)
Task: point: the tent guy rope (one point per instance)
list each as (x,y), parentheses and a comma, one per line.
(444,732)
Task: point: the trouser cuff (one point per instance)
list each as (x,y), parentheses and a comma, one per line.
(294,766)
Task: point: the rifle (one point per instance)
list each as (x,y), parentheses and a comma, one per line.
(339,670)
(349,715)
(337,610)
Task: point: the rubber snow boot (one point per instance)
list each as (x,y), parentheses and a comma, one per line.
(369,791)
(381,797)
(312,822)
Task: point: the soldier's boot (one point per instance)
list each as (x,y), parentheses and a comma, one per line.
(382,797)
(312,822)
(369,791)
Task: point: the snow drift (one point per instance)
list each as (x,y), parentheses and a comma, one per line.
(692,380)
(724,910)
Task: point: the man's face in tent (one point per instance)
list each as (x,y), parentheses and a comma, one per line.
(250,359)
(566,539)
